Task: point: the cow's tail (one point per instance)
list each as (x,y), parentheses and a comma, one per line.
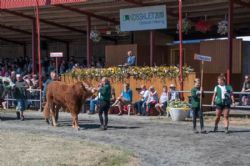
(46,112)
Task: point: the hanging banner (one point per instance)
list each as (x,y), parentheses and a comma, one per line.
(143,18)
(56,54)
(202,58)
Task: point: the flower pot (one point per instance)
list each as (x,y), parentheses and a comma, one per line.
(178,114)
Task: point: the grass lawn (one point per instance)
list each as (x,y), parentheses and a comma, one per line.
(18,148)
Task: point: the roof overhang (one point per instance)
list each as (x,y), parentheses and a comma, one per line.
(7,4)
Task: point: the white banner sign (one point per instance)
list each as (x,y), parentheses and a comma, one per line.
(143,18)
(56,54)
(202,58)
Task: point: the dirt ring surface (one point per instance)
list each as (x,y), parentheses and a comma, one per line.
(155,142)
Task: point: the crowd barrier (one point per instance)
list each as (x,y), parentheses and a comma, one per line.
(33,100)
(247,107)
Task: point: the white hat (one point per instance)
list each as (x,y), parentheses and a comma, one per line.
(172,86)
(18,75)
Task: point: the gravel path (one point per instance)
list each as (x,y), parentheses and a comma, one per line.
(155,141)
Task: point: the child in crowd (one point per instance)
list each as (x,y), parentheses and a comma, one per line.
(162,105)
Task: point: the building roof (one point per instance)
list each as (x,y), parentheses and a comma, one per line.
(67,22)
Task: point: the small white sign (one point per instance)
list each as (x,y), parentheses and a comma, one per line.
(56,54)
(143,18)
(202,58)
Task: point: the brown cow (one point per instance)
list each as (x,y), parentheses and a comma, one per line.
(71,97)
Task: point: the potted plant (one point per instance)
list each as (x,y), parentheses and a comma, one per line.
(178,110)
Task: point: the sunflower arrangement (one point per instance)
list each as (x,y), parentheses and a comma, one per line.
(178,104)
(140,73)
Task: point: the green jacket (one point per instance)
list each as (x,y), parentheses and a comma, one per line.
(195,97)
(105,92)
(218,99)
(20,90)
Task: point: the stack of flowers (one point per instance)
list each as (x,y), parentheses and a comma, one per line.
(179,104)
(141,73)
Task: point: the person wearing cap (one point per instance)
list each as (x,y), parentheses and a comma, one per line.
(195,101)
(20,96)
(173,94)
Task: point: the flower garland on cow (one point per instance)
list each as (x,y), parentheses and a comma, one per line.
(140,73)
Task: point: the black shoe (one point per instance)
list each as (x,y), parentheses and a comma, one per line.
(18,115)
(195,131)
(105,127)
(203,131)
(215,128)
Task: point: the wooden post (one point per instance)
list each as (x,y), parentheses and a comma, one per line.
(180,47)
(230,41)
(89,43)
(38,45)
(34,46)
(201,88)
(152,47)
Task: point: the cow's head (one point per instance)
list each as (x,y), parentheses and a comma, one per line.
(84,90)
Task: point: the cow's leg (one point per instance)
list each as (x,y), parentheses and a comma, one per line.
(76,123)
(57,112)
(46,112)
(53,115)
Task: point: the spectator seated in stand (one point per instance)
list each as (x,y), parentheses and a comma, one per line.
(125,99)
(173,94)
(151,101)
(245,98)
(139,104)
(163,102)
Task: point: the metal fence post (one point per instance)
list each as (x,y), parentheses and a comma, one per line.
(40,100)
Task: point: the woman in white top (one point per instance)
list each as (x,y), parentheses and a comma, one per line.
(152,99)
(162,105)
(222,98)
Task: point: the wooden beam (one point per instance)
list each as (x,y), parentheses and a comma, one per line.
(12,41)
(29,33)
(88,14)
(242,3)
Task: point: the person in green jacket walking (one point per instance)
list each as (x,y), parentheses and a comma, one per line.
(104,102)
(195,101)
(222,98)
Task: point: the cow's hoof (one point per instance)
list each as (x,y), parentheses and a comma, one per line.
(47,121)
